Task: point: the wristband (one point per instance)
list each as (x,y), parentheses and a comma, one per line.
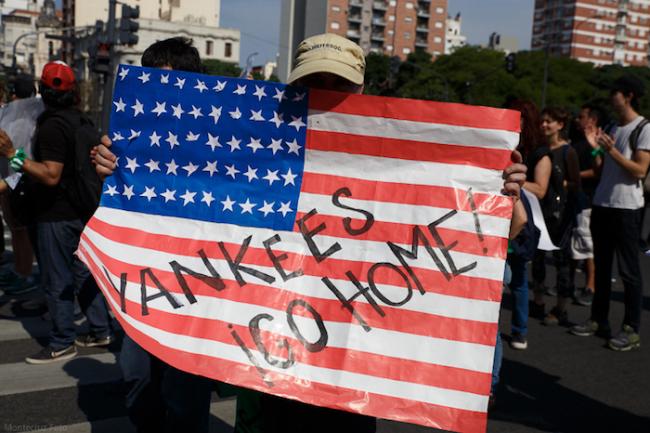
(16,162)
(599,151)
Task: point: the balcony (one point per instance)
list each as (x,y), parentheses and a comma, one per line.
(356,3)
(422,29)
(378,21)
(424,13)
(382,6)
(421,43)
(353,33)
(377,36)
(354,18)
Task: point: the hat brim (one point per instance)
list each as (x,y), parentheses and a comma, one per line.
(326,65)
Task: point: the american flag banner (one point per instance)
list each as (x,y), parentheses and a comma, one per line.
(342,250)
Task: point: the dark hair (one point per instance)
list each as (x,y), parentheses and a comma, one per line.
(58,99)
(560,115)
(595,112)
(178,53)
(531,136)
(630,85)
(22,86)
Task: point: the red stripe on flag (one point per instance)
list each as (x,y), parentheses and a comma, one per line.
(493,159)
(419,195)
(316,393)
(411,322)
(432,281)
(415,110)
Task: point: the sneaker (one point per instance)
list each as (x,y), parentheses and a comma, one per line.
(536,311)
(21,286)
(91,341)
(551,291)
(48,355)
(589,328)
(584,297)
(518,341)
(626,340)
(556,317)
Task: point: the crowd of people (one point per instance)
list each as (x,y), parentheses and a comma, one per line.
(586,173)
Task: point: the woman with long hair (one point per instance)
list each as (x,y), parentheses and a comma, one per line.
(559,216)
(537,158)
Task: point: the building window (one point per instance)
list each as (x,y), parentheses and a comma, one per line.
(336,9)
(209,48)
(438,25)
(440,10)
(408,19)
(334,25)
(393,3)
(390,32)
(409,5)
(391,18)
(407,35)
(389,48)
(228,49)
(406,50)
(437,39)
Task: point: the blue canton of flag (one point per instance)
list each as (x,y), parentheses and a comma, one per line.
(208,148)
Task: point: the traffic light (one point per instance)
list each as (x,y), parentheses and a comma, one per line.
(511,62)
(129,27)
(100,58)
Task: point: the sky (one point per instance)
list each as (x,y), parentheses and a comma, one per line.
(259,22)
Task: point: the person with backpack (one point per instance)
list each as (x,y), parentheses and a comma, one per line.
(538,161)
(58,176)
(559,212)
(622,160)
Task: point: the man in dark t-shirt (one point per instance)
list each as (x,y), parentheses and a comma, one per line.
(58,222)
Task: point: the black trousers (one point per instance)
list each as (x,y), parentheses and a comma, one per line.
(561,261)
(617,231)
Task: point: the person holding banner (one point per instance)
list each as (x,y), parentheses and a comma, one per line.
(326,62)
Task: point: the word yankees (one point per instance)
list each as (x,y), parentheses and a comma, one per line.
(359,222)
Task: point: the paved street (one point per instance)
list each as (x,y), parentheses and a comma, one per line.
(560,384)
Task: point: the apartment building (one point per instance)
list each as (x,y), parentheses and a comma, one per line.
(602,32)
(391,27)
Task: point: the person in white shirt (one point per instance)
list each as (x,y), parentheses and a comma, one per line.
(623,159)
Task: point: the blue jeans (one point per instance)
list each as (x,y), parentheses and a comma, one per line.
(498,348)
(519,289)
(161,398)
(63,277)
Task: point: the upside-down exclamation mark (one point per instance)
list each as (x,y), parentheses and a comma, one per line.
(477,223)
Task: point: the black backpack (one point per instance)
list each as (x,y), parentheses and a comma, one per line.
(554,203)
(84,189)
(634,144)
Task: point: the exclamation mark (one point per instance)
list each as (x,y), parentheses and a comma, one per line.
(477,223)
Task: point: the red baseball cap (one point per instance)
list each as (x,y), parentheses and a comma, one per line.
(58,76)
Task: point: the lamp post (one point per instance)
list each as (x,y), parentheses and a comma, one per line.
(547,51)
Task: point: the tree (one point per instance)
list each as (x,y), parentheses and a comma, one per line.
(224,69)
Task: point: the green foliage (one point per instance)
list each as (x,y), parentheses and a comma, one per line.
(477,76)
(224,69)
